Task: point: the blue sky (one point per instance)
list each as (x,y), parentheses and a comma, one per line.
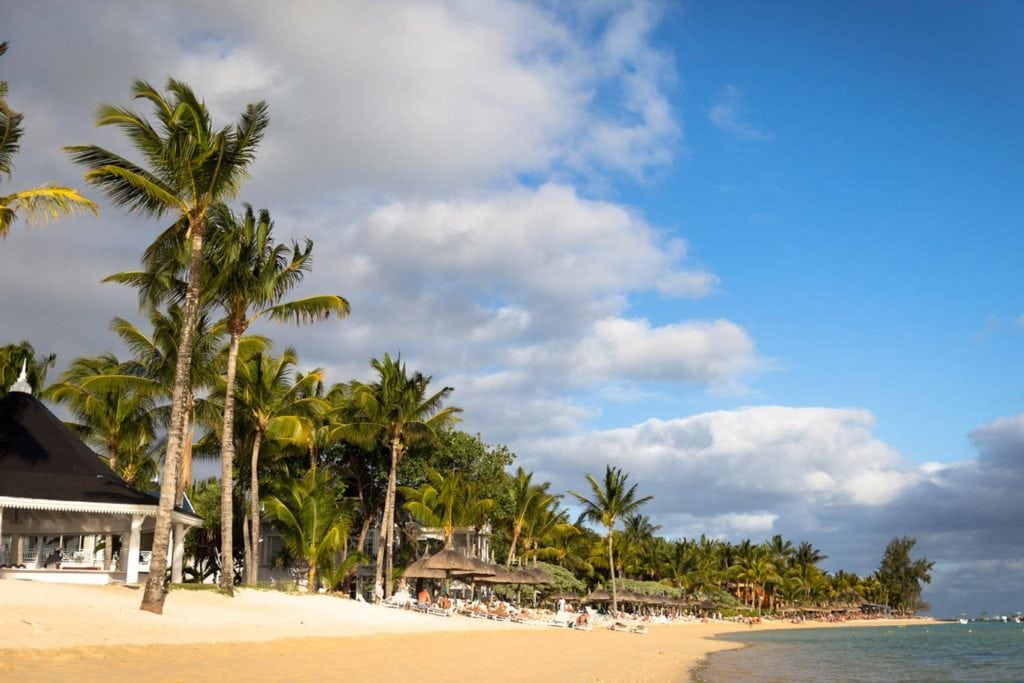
(762,256)
(863,214)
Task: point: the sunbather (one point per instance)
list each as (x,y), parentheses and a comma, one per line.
(423,599)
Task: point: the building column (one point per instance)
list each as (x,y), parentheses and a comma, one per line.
(177,552)
(134,546)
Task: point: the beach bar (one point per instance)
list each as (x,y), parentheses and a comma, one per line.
(59,504)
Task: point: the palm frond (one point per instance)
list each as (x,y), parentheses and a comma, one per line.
(42,204)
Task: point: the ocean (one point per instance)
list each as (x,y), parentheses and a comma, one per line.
(978,651)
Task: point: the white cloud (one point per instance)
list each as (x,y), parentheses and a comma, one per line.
(727,115)
(790,464)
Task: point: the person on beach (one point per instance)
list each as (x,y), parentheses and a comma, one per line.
(378,593)
(423,599)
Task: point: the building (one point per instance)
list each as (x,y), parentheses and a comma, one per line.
(59,502)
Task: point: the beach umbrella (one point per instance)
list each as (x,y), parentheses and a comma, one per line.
(419,570)
(563,595)
(540,577)
(451,561)
(498,575)
(598,595)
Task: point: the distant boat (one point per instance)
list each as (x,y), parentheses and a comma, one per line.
(962,618)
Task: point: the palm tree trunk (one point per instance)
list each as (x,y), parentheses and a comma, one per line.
(611,571)
(311,578)
(185,462)
(252,572)
(153,597)
(387,523)
(389,556)
(516,529)
(364,531)
(246,541)
(227,460)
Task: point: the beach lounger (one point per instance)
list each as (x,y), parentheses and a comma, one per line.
(438,612)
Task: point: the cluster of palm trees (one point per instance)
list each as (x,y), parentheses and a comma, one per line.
(318,459)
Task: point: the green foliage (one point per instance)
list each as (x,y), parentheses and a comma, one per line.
(650,588)
(447,502)
(901,577)
(39,203)
(11,358)
(201,545)
(565,580)
(455,451)
(312,517)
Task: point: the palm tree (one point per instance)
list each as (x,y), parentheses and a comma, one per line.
(270,401)
(114,408)
(807,554)
(396,411)
(192,167)
(156,356)
(253,275)
(13,357)
(446,502)
(312,517)
(610,501)
(527,497)
(758,571)
(46,202)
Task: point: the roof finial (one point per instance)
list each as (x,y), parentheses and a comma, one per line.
(22,384)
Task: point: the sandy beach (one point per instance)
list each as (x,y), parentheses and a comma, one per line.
(97,633)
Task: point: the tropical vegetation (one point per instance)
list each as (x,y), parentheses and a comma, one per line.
(344,469)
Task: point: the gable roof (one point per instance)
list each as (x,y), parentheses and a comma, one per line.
(40,458)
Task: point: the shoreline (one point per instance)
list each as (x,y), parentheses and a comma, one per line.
(86,633)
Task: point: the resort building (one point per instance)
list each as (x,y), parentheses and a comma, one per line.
(60,505)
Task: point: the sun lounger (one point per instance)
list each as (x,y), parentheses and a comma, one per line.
(439,612)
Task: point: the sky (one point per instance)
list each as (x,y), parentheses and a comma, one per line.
(761,256)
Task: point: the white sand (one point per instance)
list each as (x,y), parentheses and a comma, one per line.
(98,633)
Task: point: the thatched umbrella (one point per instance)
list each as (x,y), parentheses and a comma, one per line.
(451,561)
(598,595)
(540,577)
(419,570)
(563,595)
(498,574)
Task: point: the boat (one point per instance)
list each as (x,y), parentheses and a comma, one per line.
(962,618)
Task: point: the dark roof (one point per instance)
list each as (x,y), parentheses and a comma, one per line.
(41,458)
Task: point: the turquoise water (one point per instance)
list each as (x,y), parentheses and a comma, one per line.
(979,651)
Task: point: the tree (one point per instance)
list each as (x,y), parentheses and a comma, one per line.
(253,275)
(312,518)
(610,500)
(13,357)
(156,357)
(38,204)
(901,577)
(270,402)
(447,501)
(114,409)
(192,166)
(527,498)
(396,411)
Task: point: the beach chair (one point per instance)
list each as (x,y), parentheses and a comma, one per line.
(441,612)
